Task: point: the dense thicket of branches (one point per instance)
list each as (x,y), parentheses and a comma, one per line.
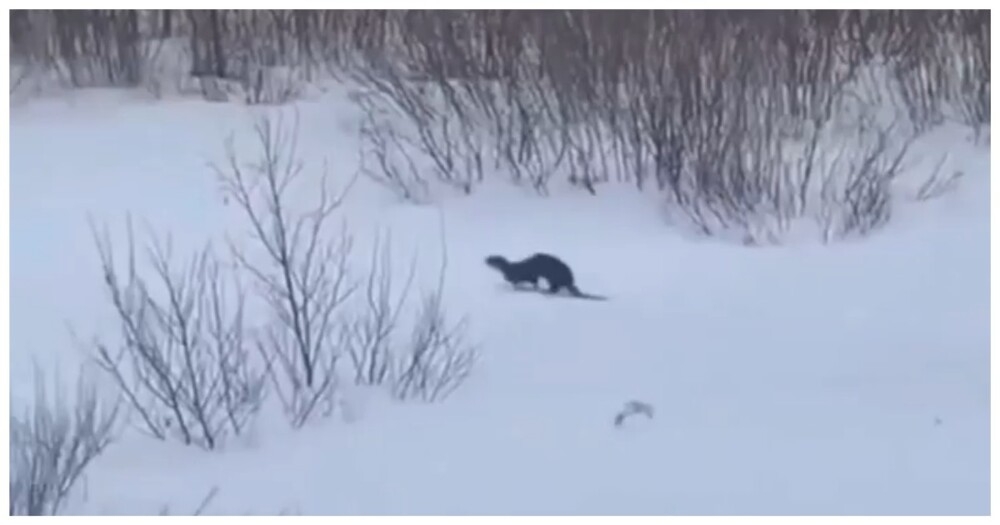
(588,55)
(742,119)
(54,440)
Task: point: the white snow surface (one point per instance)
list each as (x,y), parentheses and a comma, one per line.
(850,378)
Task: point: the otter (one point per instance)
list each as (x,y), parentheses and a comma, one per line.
(556,273)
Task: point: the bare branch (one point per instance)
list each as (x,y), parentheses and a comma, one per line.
(53,442)
(303,275)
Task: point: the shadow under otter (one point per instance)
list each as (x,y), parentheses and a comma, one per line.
(556,273)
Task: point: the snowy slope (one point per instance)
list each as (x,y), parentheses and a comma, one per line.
(807,379)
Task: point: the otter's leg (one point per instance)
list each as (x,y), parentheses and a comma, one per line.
(520,285)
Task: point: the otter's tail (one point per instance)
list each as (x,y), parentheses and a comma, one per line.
(575,292)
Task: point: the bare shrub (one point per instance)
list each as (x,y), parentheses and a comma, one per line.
(53,441)
(533,144)
(248,54)
(856,194)
(95,48)
(589,156)
(439,127)
(438,359)
(731,160)
(939,61)
(269,85)
(268,55)
(922,84)
(714,106)
(667,100)
(428,364)
(386,158)
(372,331)
(705,126)
(937,184)
(301,273)
(973,64)
(309,294)
(183,363)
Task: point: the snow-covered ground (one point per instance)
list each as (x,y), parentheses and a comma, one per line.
(807,379)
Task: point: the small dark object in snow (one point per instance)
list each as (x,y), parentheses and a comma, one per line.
(539,266)
(631,408)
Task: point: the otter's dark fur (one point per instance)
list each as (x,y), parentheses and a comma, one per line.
(539,266)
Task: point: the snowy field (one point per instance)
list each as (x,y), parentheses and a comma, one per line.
(849,378)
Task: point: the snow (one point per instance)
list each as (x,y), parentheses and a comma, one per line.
(849,378)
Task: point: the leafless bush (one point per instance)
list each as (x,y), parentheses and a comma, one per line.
(481,70)
(471,97)
(183,363)
(973,64)
(250,54)
(938,184)
(731,161)
(856,193)
(438,358)
(305,283)
(704,128)
(437,126)
(922,88)
(269,55)
(670,97)
(533,143)
(91,48)
(254,85)
(52,442)
(301,275)
(394,167)
(939,61)
(428,365)
(269,85)
(371,333)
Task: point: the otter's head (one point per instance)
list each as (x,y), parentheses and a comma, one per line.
(498,262)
